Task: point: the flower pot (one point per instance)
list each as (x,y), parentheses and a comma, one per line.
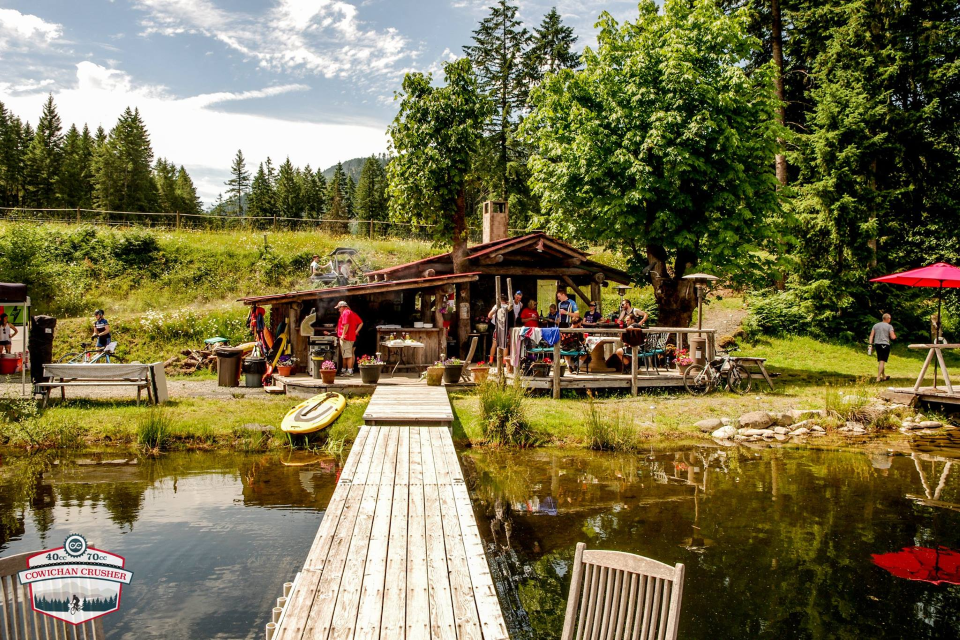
(452,373)
(540,369)
(328,375)
(370,373)
(480,374)
(285,370)
(682,368)
(434,376)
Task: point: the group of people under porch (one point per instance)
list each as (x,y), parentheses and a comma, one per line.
(564,314)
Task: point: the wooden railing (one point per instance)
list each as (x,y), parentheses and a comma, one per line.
(678,332)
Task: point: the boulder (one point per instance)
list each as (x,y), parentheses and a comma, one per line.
(767,433)
(724,433)
(929,424)
(753,432)
(726,422)
(817,429)
(780,437)
(709,425)
(807,414)
(781,430)
(756,420)
(802,431)
(854,425)
(785,420)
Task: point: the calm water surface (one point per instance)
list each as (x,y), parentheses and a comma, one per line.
(777,542)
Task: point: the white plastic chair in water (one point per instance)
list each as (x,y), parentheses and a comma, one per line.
(616,595)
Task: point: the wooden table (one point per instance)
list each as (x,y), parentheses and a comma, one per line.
(934,350)
(400,345)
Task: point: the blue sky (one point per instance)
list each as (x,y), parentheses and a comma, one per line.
(312,79)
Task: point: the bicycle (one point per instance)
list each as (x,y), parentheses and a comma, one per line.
(86,355)
(701,379)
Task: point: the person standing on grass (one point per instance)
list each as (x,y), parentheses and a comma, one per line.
(101,329)
(7,333)
(880,336)
(347,328)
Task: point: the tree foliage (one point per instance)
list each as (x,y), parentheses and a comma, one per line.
(661,148)
(435,135)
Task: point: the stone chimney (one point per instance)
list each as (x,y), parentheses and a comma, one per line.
(496,220)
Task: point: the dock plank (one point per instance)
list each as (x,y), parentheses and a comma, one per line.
(398,553)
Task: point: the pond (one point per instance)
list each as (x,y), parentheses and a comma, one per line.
(777,543)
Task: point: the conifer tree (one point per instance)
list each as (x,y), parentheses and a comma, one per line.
(497,58)
(11,158)
(311,194)
(165,177)
(239,181)
(337,200)
(123,167)
(370,200)
(43,157)
(262,201)
(72,184)
(551,48)
(349,194)
(187,199)
(289,198)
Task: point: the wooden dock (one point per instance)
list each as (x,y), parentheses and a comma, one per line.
(423,406)
(398,553)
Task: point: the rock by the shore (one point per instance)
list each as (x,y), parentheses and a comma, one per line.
(781,430)
(929,424)
(724,433)
(783,419)
(817,429)
(806,414)
(709,425)
(755,420)
(802,431)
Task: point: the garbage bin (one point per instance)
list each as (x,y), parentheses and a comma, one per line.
(253,370)
(698,350)
(40,345)
(228,367)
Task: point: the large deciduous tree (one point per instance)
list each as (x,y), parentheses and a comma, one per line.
(661,148)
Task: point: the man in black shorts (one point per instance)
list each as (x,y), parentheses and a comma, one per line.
(881,335)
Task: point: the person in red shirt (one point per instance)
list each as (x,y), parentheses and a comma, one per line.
(347,328)
(529,316)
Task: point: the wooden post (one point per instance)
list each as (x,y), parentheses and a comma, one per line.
(371,229)
(287,588)
(595,294)
(274,222)
(556,369)
(178,221)
(633,370)
(439,297)
(276,615)
(78,215)
(496,314)
(271,630)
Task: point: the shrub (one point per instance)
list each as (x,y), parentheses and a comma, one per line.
(609,433)
(502,413)
(22,424)
(134,247)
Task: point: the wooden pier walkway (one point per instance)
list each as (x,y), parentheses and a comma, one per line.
(398,553)
(422,406)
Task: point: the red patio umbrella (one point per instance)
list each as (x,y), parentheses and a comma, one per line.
(937,566)
(937,275)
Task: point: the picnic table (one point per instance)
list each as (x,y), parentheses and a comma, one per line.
(934,350)
(149,377)
(399,346)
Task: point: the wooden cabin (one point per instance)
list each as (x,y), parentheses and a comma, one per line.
(429,291)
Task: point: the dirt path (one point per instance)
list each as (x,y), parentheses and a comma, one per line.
(182,388)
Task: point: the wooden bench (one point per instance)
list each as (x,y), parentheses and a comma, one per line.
(759,364)
(142,376)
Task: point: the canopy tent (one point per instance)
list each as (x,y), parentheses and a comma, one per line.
(937,275)
(15,295)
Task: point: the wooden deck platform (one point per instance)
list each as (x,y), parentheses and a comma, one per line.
(398,554)
(923,394)
(408,406)
(306,386)
(667,378)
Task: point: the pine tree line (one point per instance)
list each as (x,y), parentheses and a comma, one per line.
(295,193)
(115,171)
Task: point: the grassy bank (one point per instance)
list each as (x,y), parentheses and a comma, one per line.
(242,422)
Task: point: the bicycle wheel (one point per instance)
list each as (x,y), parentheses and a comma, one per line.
(696,379)
(114,359)
(69,358)
(738,379)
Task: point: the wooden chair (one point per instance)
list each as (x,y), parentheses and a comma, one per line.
(465,373)
(616,595)
(21,622)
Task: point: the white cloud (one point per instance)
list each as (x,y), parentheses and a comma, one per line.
(23,29)
(319,37)
(192,132)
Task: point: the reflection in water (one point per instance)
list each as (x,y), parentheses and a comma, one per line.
(778,543)
(211,537)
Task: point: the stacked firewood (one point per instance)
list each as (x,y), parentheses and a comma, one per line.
(190,361)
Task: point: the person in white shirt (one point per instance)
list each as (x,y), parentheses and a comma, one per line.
(315,266)
(7,333)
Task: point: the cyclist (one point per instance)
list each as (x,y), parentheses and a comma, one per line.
(101,329)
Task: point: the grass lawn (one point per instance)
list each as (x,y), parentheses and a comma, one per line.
(189,423)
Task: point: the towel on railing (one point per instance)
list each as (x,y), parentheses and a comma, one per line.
(633,337)
(550,335)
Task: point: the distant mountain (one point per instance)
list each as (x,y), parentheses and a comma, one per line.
(353,167)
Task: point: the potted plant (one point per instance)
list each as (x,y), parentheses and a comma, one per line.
(683,360)
(286,366)
(370,368)
(435,374)
(328,371)
(480,371)
(452,370)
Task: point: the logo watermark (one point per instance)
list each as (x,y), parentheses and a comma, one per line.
(75,583)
